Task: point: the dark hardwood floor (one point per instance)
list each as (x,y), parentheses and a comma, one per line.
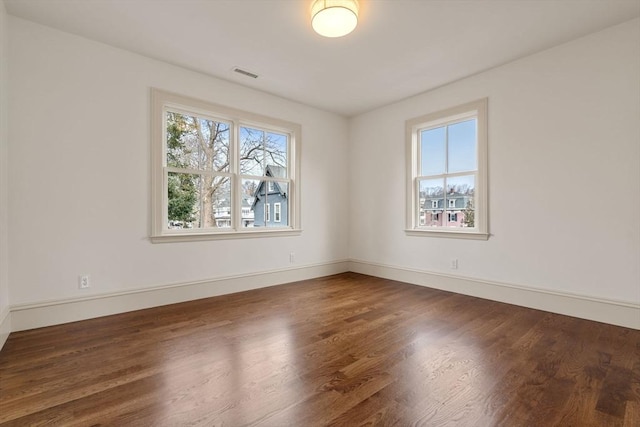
(345,350)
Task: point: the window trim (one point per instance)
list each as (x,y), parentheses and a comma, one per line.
(478,109)
(159,232)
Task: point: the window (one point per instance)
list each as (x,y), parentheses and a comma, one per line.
(447,160)
(276,212)
(214,168)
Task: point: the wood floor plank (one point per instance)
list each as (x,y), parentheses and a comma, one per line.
(344,350)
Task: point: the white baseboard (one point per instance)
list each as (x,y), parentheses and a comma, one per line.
(29,316)
(5,325)
(601,310)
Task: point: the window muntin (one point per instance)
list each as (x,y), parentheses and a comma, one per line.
(447,189)
(211,166)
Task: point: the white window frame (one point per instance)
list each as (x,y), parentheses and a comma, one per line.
(478,110)
(452,203)
(267,213)
(161,101)
(277,207)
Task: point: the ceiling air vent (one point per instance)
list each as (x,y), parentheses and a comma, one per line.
(245,72)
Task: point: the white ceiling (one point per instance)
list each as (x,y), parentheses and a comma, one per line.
(400,47)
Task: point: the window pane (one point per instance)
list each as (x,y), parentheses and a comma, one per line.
(249,198)
(263,153)
(462,147)
(197,143)
(220,194)
(431,196)
(215,202)
(432,151)
(267,203)
(276,147)
(453,208)
(461,194)
(279,200)
(197,201)
(182,199)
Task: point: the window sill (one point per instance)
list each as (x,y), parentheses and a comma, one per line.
(448,234)
(222,235)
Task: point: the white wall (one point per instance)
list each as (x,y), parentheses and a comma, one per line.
(5,326)
(564,173)
(80,173)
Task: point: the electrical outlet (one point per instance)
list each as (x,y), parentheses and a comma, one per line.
(83,281)
(292,257)
(454,263)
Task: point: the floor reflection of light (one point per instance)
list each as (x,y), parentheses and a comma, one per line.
(263,373)
(197,380)
(236,375)
(446,371)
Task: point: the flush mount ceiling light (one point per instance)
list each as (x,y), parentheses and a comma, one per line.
(334,18)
